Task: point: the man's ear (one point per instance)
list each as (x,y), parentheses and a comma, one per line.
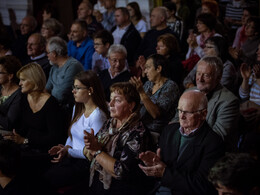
(107,45)
(159,68)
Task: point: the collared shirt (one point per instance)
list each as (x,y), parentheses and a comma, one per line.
(189,134)
(119,33)
(110,73)
(38,57)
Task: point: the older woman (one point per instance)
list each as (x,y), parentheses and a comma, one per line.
(216,46)
(90,112)
(159,95)
(62,72)
(114,167)
(50,28)
(41,122)
(10,94)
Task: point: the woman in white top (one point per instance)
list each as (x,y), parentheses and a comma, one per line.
(89,112)
(137,18)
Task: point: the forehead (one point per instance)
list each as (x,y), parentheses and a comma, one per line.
(75,27)
(187,103)
(26,21)
(83,6)
(77,82)
(117,55)
(204,67)
(98,40)
(34,38)
(116,94)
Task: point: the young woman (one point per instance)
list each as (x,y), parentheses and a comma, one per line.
(90,112)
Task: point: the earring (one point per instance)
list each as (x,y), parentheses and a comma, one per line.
(89,93)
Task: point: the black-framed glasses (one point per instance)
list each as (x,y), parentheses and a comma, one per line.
(76,88)
(189,113)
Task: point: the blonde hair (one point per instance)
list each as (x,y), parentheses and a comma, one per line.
(34,73)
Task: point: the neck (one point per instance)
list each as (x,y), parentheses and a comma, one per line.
(124,25)
(62,60)
(162,26)
(160,81)
(4,181)
(34,96)
(207,33)
(9,87)
(79,42)
(89,105)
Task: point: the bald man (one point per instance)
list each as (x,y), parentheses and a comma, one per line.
(158,22)
(187,150)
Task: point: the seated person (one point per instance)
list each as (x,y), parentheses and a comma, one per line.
(108,19)
(102,42)
(50,28)
(117,71)
(90,112)
(187,150)
(81,46)
(217,46)
(36,45)
(114,150)
(5,45)
(10,94)
(10,158)
(159,95)
(62,72)
(236,174)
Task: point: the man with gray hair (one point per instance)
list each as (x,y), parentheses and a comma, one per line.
(62,73)
(223,105)
(118,71)
(158,21)
(187,150)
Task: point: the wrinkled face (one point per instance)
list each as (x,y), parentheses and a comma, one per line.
(210,49)
(100,48)
(51,56)
(33,46)
(4,76)
(46,15)
(156,18)
(77,33)
(250,29)
(162,49)
(83,11)
(131,11)
(117,62)
(245,16)
(120,18)
(119,107)
(26,85)
(26,26)
(190,115)
(47,32)
(201,27)
(222,190)
(258,53)
(80,92)
(150,71)
(206,80)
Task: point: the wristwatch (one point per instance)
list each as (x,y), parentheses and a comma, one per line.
(97,153)
(26,141)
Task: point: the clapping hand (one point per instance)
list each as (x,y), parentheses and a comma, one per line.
(153,164)
(245,71)
(91,142)
(59,150)
(15,137)
(137,83)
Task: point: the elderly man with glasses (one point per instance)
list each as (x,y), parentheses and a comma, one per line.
(187,150)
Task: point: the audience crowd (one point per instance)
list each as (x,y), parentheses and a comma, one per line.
(123,105)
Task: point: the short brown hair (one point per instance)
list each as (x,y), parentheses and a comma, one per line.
(171,42)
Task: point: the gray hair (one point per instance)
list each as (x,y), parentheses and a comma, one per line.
(163,11)
(54,25)
(117,48)
(58,45)
(215,62)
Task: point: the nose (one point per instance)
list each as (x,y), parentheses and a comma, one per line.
(111,103)
(199,77)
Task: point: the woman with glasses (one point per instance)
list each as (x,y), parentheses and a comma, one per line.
(10,93)
(217,46)
(50,28)
(159,95)
(90,112)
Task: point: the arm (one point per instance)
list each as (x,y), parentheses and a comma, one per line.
(245,87)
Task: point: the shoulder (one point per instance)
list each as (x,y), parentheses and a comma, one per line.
(73,63)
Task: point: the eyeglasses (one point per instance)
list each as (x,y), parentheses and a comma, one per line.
(97,44)
(3,73)
(76,88)
(189,113)
(120,61)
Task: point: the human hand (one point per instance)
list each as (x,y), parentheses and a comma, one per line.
(256,70)
(154,165)
(55,149)
(191,40)
(91,142)
(141,61)
(137,83)
(15,137)
(61,154)
(245,71)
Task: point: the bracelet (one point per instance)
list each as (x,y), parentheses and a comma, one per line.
(97,153)
(26,141)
